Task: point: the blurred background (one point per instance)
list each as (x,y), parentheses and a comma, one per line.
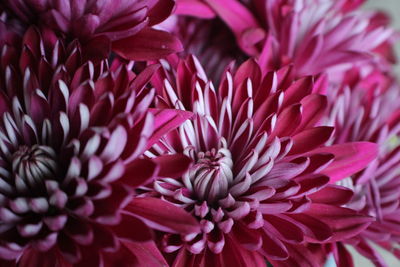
(392,7)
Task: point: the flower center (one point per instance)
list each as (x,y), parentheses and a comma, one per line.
(34,164)
(212,175)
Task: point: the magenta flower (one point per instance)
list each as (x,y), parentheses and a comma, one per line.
(313,35)
(363,110)
(127,23)
(71,138)
(259,183)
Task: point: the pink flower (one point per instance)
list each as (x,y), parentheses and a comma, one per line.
(259,183)
(71,138)
(127,23)
(363,109)
(313,35)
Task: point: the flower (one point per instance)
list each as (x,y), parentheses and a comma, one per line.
(72,134)
(215,54)
(127,23)
(259,183)
(363,110)
(313,35)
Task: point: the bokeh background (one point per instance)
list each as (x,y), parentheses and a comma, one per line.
(392,7)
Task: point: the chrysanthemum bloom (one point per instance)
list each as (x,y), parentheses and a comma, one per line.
(313,35)
(71,138)
(258,186)
(364,109)
(126,23)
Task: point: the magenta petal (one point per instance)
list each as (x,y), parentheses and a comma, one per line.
(237,17)
(163,216)
(349,158)
(166,120)
(148,44)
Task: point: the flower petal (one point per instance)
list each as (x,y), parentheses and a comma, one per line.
(163,216)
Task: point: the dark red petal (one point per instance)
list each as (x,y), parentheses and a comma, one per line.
(139,172)
(287,230)
(146,253)
(236,255)
(313,228)
(310,139)
(160,11)
(273,248)
(248,238)
(122,257)
(97,48)
(132,229)
(332,194)
(287,122)
(344,222)
(162,215)
(297,91)
(33,258)
(342,256)
(313,109)
(148,44)
(172,166)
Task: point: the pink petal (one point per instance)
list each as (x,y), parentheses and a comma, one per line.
(194,8)
(166,120)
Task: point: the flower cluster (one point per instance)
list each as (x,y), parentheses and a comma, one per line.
(197,133)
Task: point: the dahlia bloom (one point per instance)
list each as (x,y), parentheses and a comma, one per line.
(363,110)
(71,138)
(313,35)
(126,23)
(259,183)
